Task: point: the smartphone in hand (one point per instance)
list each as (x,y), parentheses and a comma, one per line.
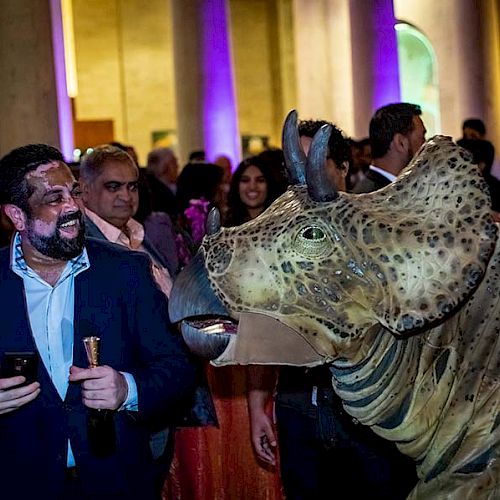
(20,363)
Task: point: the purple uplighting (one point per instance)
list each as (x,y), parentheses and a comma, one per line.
(385,56)
(220,121)
(63,102)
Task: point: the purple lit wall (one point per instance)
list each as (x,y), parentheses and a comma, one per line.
(63,102)
(220,121)
(386,88)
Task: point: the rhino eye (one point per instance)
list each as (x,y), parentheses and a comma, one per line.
(312,242)
(313,233)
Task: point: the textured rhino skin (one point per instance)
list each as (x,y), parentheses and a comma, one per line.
(399,291)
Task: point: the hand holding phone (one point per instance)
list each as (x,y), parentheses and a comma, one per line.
(14,392)
(20,363)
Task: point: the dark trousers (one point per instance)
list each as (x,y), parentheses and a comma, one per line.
(325,455)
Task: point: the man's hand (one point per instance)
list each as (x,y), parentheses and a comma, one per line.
(103,387)
(12,399)
(263,436)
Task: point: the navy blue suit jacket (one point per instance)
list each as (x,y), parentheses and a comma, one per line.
(115,299)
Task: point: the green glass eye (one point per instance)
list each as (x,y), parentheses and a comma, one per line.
(313,233)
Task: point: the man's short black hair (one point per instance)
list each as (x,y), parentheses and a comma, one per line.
(388,121)
(14,166)
(475,124)
(339,148)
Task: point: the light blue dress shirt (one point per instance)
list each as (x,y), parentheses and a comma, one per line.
(51,314)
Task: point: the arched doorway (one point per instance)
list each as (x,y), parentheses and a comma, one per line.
(418,74)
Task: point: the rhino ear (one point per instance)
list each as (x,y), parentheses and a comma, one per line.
(431,237)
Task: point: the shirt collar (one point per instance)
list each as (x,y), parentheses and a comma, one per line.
(132,239)
(20,267)
(390,177)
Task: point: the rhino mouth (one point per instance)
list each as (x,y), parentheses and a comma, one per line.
(204,321)
(208,336)
(212,326)
(211,333)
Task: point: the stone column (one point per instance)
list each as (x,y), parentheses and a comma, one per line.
(28,100)
(490,23)
(374,59)
(204,79)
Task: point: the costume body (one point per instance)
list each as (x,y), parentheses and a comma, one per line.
(115,299)
(317,438)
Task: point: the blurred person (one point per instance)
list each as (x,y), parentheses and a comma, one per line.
(199,188)
(128,149)
(224,162)
(228,470)
(473,128)
(275,160)
(197,156)
(219,463)
(161,176)
(159,227)
(483,153)
(54,280)
(361,160)
(339,151)
(396,134)
(253,188)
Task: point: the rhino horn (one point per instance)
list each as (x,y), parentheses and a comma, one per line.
(295,158)
(213,221)
(319,187)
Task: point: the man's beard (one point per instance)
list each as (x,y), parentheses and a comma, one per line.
(56,246)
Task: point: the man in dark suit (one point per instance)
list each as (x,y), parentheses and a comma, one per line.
(396,134)
(57,289)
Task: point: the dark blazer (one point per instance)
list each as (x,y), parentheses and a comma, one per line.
(162,198)
(117,300)
(371,182)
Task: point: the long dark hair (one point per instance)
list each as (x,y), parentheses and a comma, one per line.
(237,211)
(198,180)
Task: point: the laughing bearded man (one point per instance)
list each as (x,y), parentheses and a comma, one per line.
(56,289)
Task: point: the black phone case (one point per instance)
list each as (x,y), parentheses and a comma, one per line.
(20,363)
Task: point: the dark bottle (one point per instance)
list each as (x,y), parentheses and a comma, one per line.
(101,432)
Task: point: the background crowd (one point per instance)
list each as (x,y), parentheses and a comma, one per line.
(236,444)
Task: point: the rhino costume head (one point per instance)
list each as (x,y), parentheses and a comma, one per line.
(396,289)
